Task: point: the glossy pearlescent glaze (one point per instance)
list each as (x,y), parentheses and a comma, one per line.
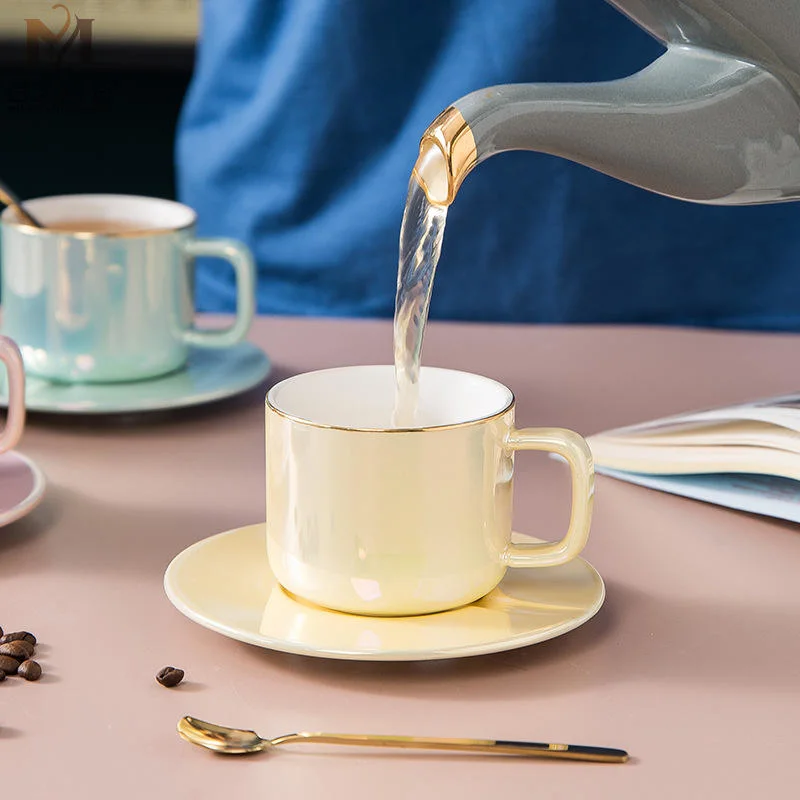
(22,487)
(103,308)
(762,31)
(13,382)
(369,518)
(21,481)
(714,120)
(208,376)
(225,584)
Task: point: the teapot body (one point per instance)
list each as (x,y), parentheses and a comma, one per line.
(766,32)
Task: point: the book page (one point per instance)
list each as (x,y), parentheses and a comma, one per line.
(768,495)
(711,434)
(745,456)
(682,460)
(780,411)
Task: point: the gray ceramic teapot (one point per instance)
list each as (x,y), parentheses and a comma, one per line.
(716,119)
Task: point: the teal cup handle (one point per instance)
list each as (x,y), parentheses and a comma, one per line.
(15,421)
(240,258)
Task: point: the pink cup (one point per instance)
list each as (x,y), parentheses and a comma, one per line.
(15,420)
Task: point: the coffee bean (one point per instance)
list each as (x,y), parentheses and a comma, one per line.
(14,649)
(19,650)
(18,636)
(30,670)
(25,645)
(1,630)
(9,665)
(169,676)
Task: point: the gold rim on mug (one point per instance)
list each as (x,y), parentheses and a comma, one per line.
(7,217)
(134,234)
(424,429)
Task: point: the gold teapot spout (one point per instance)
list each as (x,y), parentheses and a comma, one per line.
(447,153)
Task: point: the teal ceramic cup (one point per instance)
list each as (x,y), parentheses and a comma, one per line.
(107,293)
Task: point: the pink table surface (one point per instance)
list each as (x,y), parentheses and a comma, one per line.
(693,664)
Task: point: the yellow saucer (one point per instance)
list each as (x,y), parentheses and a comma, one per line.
(224,583)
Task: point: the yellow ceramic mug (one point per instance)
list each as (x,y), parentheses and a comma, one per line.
(370,519)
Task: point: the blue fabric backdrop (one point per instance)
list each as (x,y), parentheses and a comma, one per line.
(302,124)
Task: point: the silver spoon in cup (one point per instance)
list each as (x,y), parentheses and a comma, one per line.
(235,741)
(7,197)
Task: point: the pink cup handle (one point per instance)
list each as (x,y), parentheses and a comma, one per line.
(15,420)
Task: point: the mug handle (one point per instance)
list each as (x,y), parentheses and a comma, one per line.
(241,259)
(575,450)
(15,420)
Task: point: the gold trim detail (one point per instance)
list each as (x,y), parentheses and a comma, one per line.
(10,218)
(144,233)
(426,429)
(451,133)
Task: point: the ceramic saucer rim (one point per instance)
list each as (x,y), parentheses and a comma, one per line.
(35,405)
(33,499)
(281,645)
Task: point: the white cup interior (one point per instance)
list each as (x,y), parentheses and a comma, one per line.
(141,213)
(364,397)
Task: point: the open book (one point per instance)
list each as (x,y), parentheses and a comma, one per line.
(745,457)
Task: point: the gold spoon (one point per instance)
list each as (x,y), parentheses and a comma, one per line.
(237,741)
(8,198)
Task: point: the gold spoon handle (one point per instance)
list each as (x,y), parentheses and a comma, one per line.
(499,747)
(8,198)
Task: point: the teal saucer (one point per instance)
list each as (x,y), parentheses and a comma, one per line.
(209,375)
